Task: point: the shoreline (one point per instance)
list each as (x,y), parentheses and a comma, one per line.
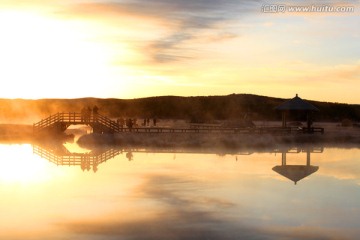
(334,136)
(219,141)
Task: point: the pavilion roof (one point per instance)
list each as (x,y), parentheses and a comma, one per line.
(295,172)
(297,103)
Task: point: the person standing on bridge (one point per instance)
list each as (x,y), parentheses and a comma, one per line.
(83,114)
(95,112)
(88,114)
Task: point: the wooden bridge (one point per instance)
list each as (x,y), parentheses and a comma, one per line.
(59,122)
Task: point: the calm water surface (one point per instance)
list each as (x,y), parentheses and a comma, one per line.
(175,195)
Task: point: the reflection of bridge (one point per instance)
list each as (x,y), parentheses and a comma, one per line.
(61,156)
(57,153)
(59,122)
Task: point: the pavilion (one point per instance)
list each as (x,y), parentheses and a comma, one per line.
(296,172)
(297,104)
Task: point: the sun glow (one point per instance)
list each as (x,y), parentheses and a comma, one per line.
(16,167)
(42,57)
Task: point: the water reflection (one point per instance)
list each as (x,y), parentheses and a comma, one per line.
(297,172)
(197,195)
(57,153)
(60,155)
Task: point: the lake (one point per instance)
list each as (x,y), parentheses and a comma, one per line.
(286,193)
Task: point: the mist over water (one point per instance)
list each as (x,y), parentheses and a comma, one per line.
(137,193)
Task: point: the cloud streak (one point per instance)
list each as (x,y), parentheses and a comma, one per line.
(185,21)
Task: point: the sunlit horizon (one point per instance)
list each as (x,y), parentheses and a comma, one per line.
(135,49)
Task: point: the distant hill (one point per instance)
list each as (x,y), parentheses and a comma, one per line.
(200,108)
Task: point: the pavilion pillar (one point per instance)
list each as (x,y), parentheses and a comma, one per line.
(308,120)
(283,158)
(283,116)
(308,157)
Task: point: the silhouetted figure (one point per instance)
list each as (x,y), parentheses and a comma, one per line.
(129,156)
(148,122)
(95,167)
(121,122)
(88,114)
(83,164)
(154,121)
(129,123)
(83,114)
(309,123)
(88,165)
(144,124)
(95,112)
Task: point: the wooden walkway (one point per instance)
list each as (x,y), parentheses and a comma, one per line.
(222,130)
(100,124)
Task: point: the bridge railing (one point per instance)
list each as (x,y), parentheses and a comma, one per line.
(109,154)
(47,122)
(47,154)
(76,118)
(75,159)
(110,124)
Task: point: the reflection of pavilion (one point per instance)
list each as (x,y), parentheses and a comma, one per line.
(297,172)
(59,155)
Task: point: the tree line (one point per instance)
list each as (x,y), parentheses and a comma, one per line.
(196,109)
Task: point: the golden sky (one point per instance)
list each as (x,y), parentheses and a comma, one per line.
(141,48)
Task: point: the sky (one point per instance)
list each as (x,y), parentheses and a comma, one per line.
(139,48)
